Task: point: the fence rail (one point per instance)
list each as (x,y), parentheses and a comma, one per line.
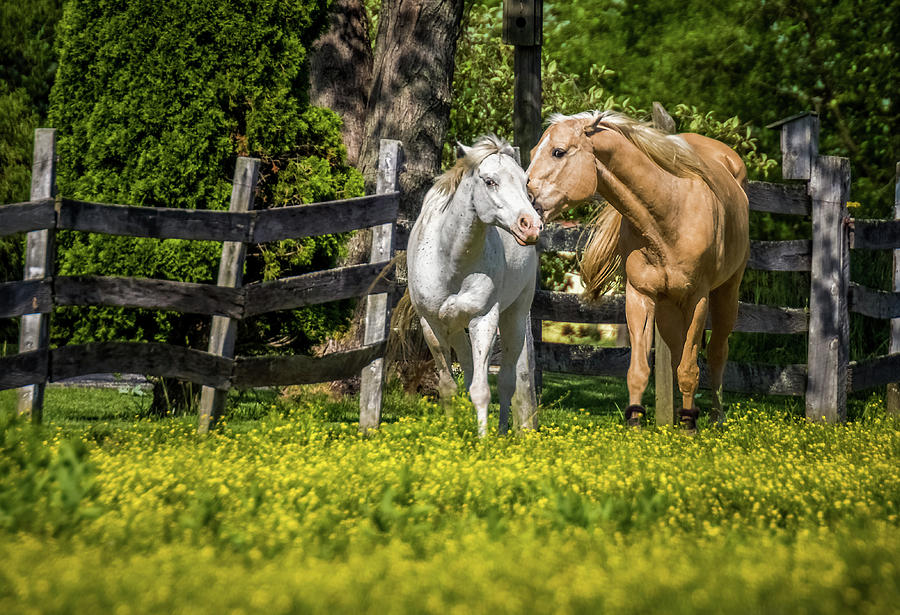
(227,302)
(259,226)
(41,296)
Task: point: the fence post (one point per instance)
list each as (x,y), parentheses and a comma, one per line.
(893,390)
(231,269)
(663,372)
(378,306)
(829,329)
(34,333)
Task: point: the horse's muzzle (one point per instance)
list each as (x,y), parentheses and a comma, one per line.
(528,229)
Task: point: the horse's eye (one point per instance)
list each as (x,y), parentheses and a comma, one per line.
(490,183)
(558,153)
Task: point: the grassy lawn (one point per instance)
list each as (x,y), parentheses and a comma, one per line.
(287,509)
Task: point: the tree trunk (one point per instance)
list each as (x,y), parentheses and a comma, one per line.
(411,90)
(341,71)
(403,94)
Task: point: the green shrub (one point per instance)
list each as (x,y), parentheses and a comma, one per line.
(153,102)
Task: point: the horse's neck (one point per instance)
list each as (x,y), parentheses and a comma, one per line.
(462,234)
(639,189)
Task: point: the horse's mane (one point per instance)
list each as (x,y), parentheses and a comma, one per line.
(446,184)
(670,152)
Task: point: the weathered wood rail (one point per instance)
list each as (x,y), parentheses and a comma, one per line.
(36,296)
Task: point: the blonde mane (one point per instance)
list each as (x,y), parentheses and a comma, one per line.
(670,152)
(446,184)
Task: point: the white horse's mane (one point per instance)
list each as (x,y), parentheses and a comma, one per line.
(446,184)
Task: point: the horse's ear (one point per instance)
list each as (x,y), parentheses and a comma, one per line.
(594,127)
(461,150)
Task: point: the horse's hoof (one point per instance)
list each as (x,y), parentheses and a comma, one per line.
(688,418)
(633,415)
(448,311)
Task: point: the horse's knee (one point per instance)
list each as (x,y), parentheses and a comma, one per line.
(688,377)
(717,350)
(449,309)
(480,394)
(459,308)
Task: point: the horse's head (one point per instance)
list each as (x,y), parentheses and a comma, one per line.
(499,194)
(563,167)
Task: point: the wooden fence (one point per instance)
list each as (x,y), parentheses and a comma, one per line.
(227,302)
(821,192)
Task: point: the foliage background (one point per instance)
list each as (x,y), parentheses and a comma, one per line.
(722,68)
(153,103)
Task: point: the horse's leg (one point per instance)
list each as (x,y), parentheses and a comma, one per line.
(460,342)
(688,371)
(515,382)
(440,350)
(723,310)
(482,331)
(471,300)
(672,327)
(639,313)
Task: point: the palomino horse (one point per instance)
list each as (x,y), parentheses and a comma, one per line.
(679,224)
(472,264)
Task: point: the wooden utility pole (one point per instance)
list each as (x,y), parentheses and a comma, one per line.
(523,28)
(663,371)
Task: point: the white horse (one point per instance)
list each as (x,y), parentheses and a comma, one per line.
(472,263)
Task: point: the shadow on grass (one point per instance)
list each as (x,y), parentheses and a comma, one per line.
(565,398)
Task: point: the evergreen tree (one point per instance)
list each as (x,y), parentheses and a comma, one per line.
(153,102)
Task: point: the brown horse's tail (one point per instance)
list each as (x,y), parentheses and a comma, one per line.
(601,259)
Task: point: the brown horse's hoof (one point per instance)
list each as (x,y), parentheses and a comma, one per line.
(633,415)
(688,418)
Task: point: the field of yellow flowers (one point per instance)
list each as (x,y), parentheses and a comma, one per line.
(296,512)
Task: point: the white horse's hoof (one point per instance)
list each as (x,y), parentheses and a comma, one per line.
(449,310)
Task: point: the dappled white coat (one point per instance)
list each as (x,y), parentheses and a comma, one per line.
(472,264)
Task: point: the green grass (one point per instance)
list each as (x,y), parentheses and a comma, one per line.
(287,509)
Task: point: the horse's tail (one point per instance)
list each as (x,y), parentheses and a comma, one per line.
(407,353)
(601,259)
(405,332)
